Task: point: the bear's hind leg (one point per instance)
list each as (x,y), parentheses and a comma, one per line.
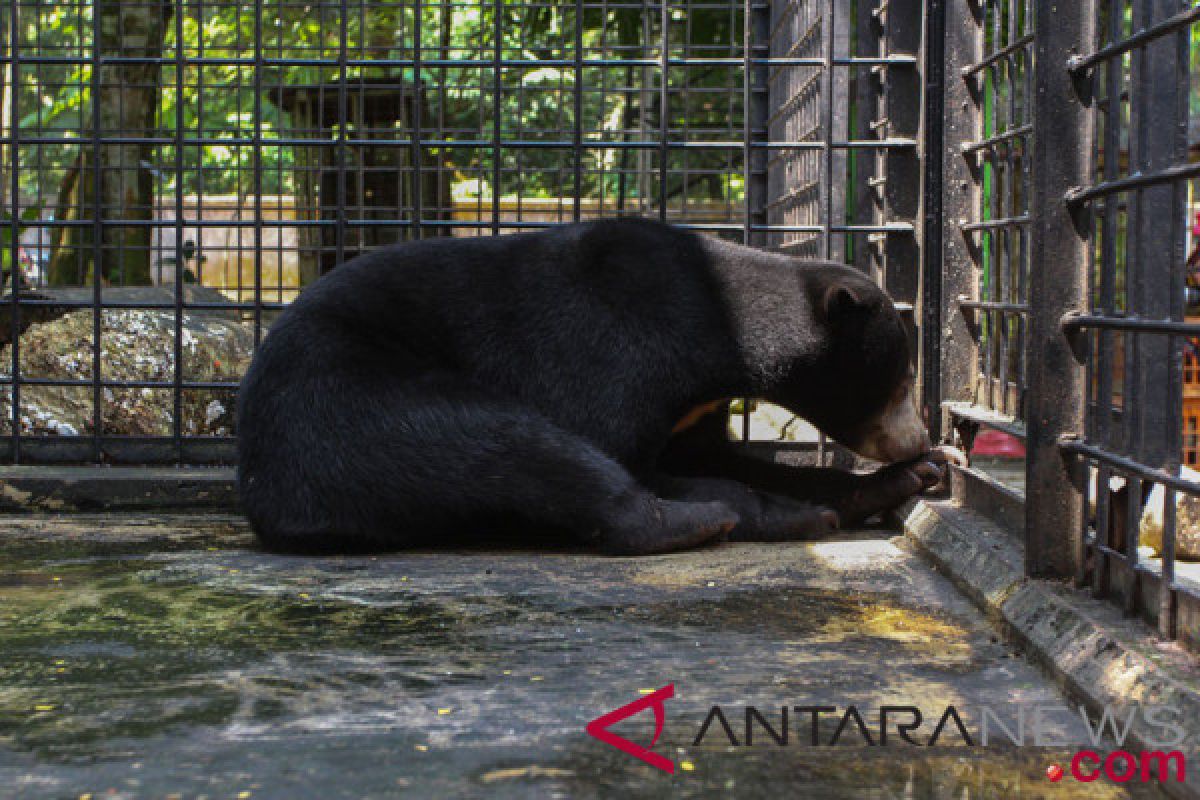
(764,517)
(401,462)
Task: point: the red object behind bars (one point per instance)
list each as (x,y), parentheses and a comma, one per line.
(991,442)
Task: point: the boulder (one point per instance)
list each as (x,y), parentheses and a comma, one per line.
(136,345)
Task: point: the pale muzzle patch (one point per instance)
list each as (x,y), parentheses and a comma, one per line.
(898,433)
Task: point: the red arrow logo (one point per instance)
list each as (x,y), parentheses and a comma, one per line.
(599,727)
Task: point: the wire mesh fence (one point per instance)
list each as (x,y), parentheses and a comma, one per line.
(1068,195)
(175,173)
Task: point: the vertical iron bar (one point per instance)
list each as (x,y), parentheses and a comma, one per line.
(930,308)
(1102,419)
(1004,278)
(1179,62)
(838,46)
(902,166)
(1061,150)
(1161,141)
(664,127)
(747,153)
(497,107)
(577,132)
(343,115)
(417,121)
(177,343)
(258,175)
(747,131)
(866,88)
(758,113)
(1131,407)
(97,227)
(826,172)
(15,228)
(957,276)
(1135,246)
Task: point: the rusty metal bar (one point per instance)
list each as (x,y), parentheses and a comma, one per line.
(961,123)
(902,168)
(1154,274)
(930,303)
(1172,24)
(1055,397)
(997,56)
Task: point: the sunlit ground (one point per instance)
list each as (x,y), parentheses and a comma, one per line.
(157,656)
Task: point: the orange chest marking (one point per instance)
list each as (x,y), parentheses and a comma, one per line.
(697,413)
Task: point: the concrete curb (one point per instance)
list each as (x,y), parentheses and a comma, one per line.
(117,488)
(1098,656)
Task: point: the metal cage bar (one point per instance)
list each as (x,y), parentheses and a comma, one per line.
(1065,181)
(1132,437)
(1061,149)
(269,157)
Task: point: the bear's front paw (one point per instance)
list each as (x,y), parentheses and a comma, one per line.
(948,454)
(933,468)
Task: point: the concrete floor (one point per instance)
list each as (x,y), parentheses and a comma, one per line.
(166,656)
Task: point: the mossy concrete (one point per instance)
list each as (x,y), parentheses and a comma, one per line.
(1098,655)
(156,655)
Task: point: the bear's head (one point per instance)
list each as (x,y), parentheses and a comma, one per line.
(857,381)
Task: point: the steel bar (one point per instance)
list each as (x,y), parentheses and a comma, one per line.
(1129,466)
(932,254)
(961,199)
(995,224)
(1061,159)
(1173,24)
(1016,133)
(997,56)
(1077,321)
(435,63)
(1079,195)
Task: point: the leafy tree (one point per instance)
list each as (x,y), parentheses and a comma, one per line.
(216,101)
(114,179)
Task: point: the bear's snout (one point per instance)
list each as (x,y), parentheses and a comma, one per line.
(897,434)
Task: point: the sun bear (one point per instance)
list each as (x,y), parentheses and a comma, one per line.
(572,381)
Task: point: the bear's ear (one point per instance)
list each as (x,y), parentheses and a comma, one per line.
(840,302)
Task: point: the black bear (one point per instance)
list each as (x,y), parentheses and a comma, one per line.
(572,381)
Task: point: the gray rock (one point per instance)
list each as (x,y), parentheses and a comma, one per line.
(137,345)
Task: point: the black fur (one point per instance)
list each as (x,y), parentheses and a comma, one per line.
(452,385)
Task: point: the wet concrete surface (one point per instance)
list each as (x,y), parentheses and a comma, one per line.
(160,656)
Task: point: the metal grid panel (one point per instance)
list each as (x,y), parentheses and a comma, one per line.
(824,159)
(1065,269)
(1133,329)
(998,75)
(236,151)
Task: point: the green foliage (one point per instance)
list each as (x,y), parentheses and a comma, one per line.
(216,101)
(28,217)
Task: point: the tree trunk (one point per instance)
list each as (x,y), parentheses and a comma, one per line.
(128,98)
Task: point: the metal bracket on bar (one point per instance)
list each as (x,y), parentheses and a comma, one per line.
(1078,195)
(1080,63)
(966,303)
(1074,443)
(992,224)
(985,416)
(1075,321)
(999,55)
